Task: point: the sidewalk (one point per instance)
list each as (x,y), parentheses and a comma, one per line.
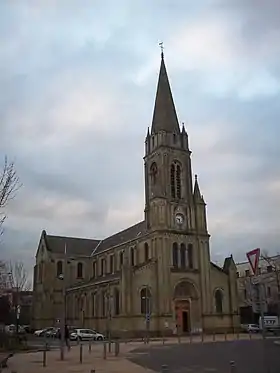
(33,362)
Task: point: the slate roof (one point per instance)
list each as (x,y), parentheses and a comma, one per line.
(131,233)
(87,247)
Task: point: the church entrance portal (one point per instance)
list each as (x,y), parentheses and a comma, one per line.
(184,298)
(185,322)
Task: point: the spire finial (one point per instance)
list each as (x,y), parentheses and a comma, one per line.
(161,48)
(195,177)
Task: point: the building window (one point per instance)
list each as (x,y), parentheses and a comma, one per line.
(183,255)
(269,291)
(146,252)
(245,293)
(93,269)
(80,270)
(174,138)
(132,259)
(237,274)
(219,301)
(175,254)
(59,268)
(178,181)
(269,268)
(146,301)
(121,259)
(93,304)
(117,301)
(103,267)
(153,173)
(190,255)
(103,303)
(172,180)
(112,263)
(247,273)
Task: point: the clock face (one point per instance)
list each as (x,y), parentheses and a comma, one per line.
(179,219)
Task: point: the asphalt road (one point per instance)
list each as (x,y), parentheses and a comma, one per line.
(212,357)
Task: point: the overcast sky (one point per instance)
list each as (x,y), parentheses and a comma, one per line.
(77,89)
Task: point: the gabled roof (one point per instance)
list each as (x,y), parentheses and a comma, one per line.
(74,246)
(86,247)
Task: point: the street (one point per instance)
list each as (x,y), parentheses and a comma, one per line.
(215,357)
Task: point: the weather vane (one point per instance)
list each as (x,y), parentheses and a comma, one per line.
(161,47)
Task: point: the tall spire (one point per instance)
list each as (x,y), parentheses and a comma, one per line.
(165,117)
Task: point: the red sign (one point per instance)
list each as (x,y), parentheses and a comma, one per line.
(253,258)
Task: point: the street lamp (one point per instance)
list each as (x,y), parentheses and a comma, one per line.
(146,298)
(62,321)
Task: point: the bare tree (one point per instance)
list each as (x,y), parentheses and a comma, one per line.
(9,185)
(19,276)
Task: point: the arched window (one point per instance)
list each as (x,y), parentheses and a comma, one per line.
(80,270)
(117,301)
(219,301)
(175,254)
(154,172)
(172,181)
(103,303)
(178,181)
(183,255)
(146,252)
(190,255)
(121,259)
(132,258)
(59,268)
(146,301)
(93,304)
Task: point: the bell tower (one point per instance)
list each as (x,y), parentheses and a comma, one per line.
(169,194)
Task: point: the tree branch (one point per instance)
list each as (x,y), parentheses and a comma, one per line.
(9,185)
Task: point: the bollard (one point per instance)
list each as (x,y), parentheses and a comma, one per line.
(214,337)
(250,335)
(164,369)
(225,335)
(232,367)
(237,334)
(109,346)
(191,337)
(81,353)
(89,347)
(117,348)
(202,337)
(104,351)
(44,357)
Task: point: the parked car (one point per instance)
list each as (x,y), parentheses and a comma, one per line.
(252,328)
(86,335)
(42,332)
(52,333)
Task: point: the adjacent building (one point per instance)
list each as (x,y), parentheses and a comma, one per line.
(269,274)
(155,276)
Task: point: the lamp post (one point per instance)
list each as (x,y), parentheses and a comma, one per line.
(109,315)
(146,298)
(62,277)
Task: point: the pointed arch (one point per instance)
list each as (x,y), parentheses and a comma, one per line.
(219,300)
(175,254)
(185,289)
(154,173)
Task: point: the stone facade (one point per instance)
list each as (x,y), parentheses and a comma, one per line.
(155,275)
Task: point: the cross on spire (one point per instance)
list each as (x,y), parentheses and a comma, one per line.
(161,47)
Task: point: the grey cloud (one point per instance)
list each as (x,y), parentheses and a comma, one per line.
(101,167)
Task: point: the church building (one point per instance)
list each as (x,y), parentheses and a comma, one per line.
(155,276)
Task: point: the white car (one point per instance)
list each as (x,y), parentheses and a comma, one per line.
(86,335)
(41,332)
(252,328)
